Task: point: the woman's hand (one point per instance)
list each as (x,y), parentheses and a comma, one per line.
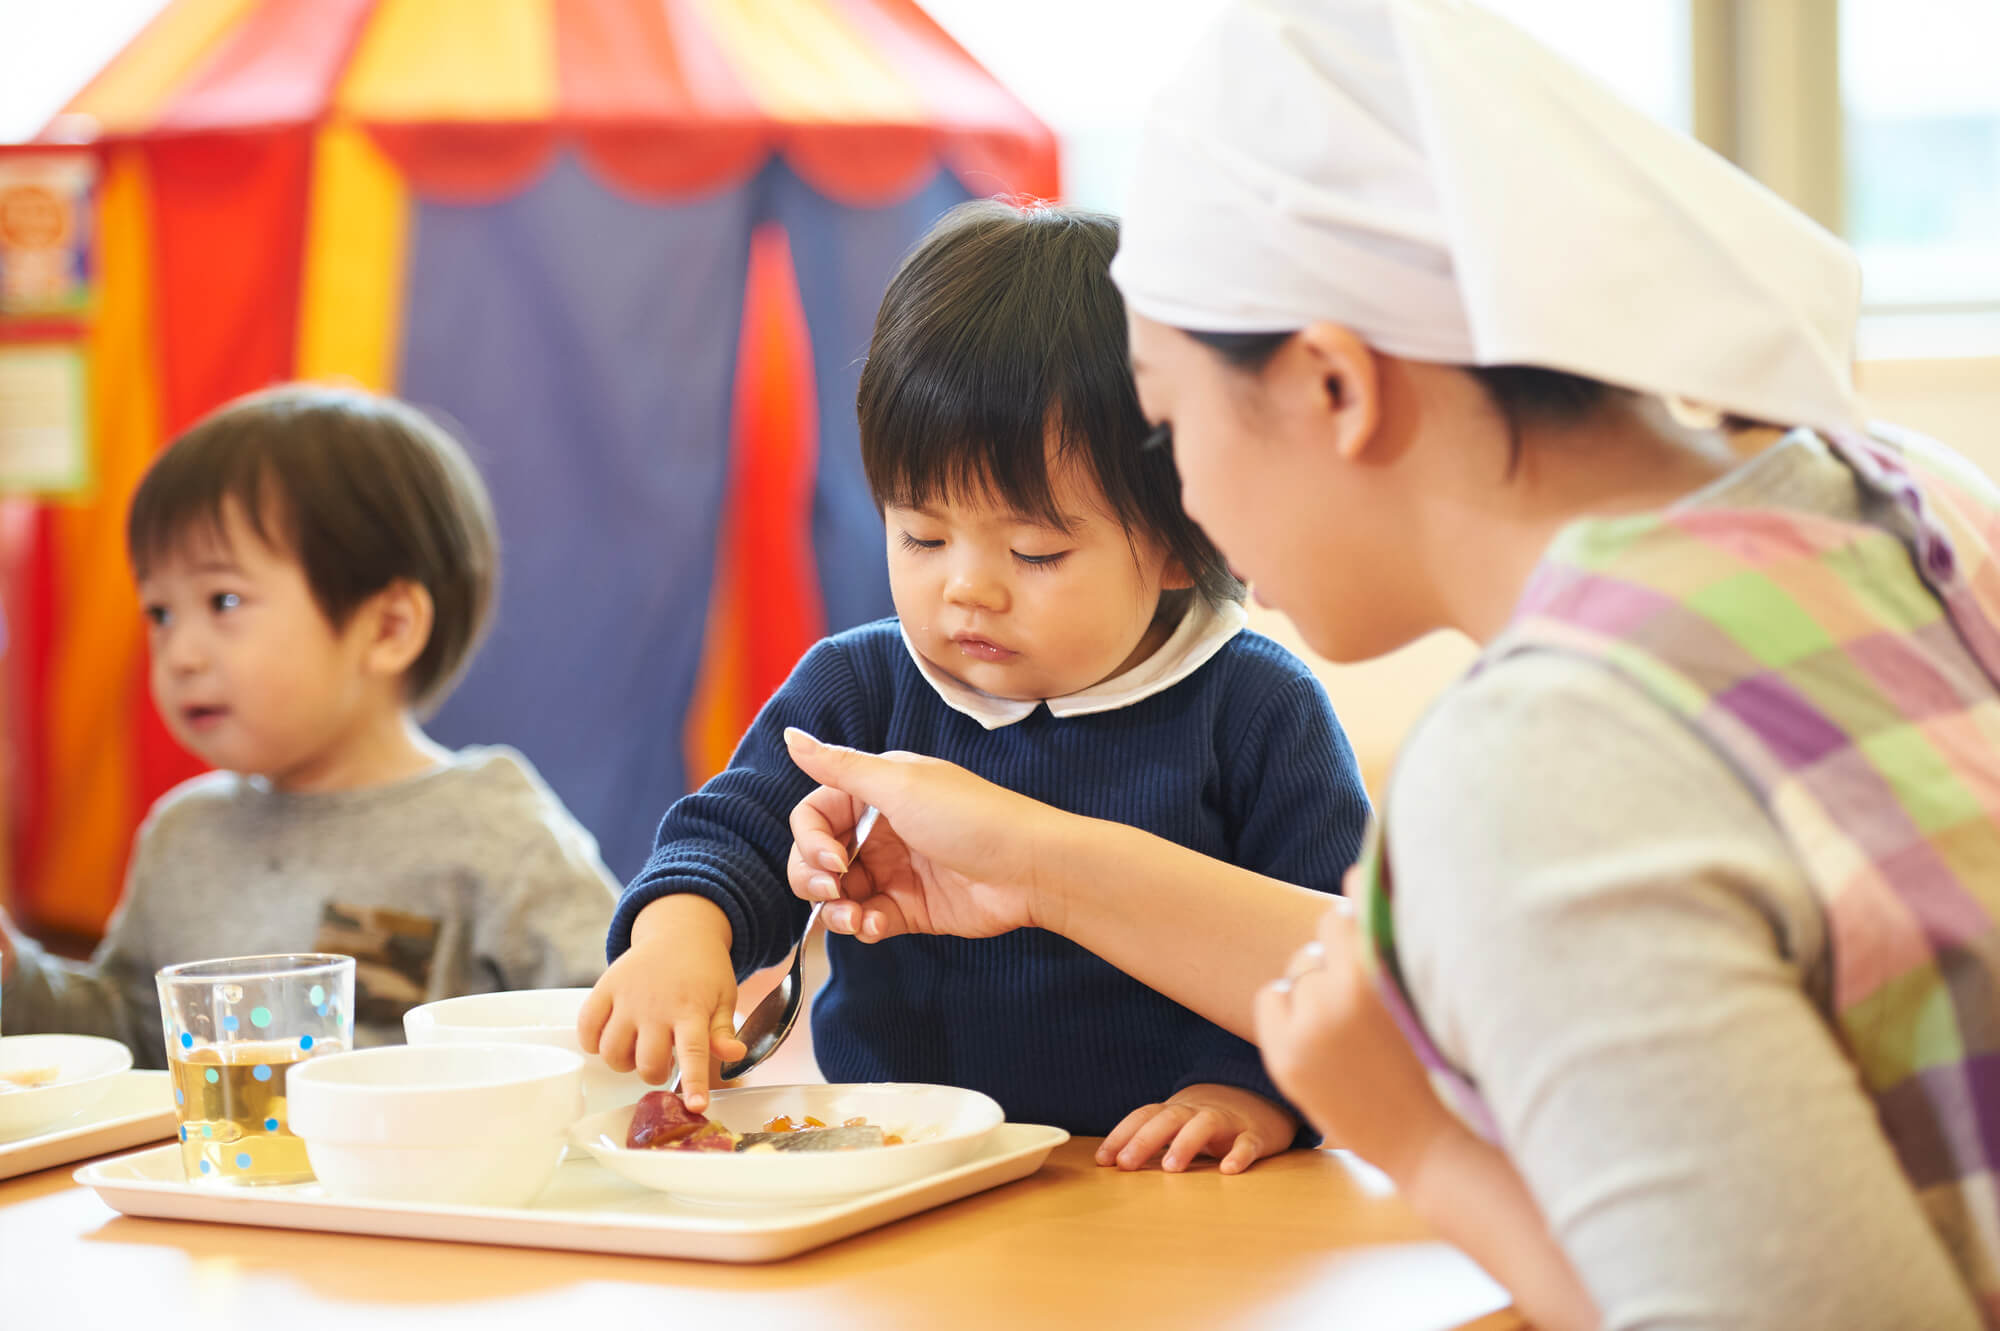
(1337,1054)
(950,854)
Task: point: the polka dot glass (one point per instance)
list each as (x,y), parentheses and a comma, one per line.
(234,1028)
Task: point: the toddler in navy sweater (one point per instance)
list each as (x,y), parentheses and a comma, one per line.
(1062,628)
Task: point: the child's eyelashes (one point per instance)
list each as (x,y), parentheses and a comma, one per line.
(1042,561)
(912,543)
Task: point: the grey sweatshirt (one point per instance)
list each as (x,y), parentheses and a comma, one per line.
(469,878)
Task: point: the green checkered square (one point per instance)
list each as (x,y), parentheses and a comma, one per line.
(1925,785)
(1763,619)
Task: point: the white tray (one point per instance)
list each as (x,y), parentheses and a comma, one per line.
(138,1109)
(585,1208)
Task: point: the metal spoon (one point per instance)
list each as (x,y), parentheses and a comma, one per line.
(772,1020)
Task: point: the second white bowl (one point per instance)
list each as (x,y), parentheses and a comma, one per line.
(460,1124)
(524,1016)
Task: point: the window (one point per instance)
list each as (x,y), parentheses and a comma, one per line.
(1921,108)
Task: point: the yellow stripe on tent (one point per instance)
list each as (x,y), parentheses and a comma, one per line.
(454,60)
(129,95)
(98,647)
(357,238)
(804,62)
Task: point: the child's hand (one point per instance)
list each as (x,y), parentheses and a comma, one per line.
(671,999)
(1239,1127)
(1337,1054)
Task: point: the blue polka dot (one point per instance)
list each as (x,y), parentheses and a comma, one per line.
(321,1009)
(204,1166)
(305,1042)
(187,1041)
(262,1072)
(184,1132)
(270,1125)
(318,995)
(179,1099)
(260,1017)
(243,1160)
(212,1075)
(229,1023)
(208,1129)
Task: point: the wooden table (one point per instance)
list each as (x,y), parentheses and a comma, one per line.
(1311,1239)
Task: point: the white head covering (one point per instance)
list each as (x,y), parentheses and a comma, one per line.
(1425,173)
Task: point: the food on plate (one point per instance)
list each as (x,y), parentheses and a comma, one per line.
(847,1138)
(661,1121)
(27,1079)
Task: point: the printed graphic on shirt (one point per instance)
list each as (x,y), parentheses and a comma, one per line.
(393,953)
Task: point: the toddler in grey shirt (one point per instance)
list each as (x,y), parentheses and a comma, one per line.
(317,567)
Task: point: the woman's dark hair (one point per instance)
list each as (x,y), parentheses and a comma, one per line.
(362,491)
(1521,393)
(999,351)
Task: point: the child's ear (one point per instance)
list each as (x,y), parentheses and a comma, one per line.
(399,620)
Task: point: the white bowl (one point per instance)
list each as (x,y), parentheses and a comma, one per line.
(941,1126)
(85,1068)
(524,1016)
(459,1124)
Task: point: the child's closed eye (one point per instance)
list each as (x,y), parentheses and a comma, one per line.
(1042,561)
(912,543)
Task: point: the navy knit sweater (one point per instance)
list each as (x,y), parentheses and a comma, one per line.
(1242,760)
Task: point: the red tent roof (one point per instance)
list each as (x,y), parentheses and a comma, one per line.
(469,97)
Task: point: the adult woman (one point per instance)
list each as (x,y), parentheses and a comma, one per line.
(1694,878)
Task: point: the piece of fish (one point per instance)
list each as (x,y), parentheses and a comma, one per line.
(814,1139)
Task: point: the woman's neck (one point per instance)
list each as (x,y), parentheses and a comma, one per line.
(1631,459)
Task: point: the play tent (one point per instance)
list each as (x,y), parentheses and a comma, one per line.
(632,247)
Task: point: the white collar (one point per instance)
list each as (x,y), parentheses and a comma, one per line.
(1203,631)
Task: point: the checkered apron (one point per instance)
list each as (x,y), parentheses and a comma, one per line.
(1848,674)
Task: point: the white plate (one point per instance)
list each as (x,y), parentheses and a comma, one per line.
(139,1108)
(585,1209)
(941,1126)
(84,1065)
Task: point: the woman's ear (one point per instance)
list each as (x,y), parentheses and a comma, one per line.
(1347,386)
(398,624)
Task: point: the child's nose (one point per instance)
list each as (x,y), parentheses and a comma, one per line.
(974,589)
(181,652)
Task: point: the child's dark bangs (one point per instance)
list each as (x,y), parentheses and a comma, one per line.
(180,508)
(976,434)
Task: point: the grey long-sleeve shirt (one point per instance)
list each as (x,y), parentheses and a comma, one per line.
(469,878)
(1598,921)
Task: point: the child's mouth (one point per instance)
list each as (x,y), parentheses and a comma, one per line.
(982,649)
(202,718)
